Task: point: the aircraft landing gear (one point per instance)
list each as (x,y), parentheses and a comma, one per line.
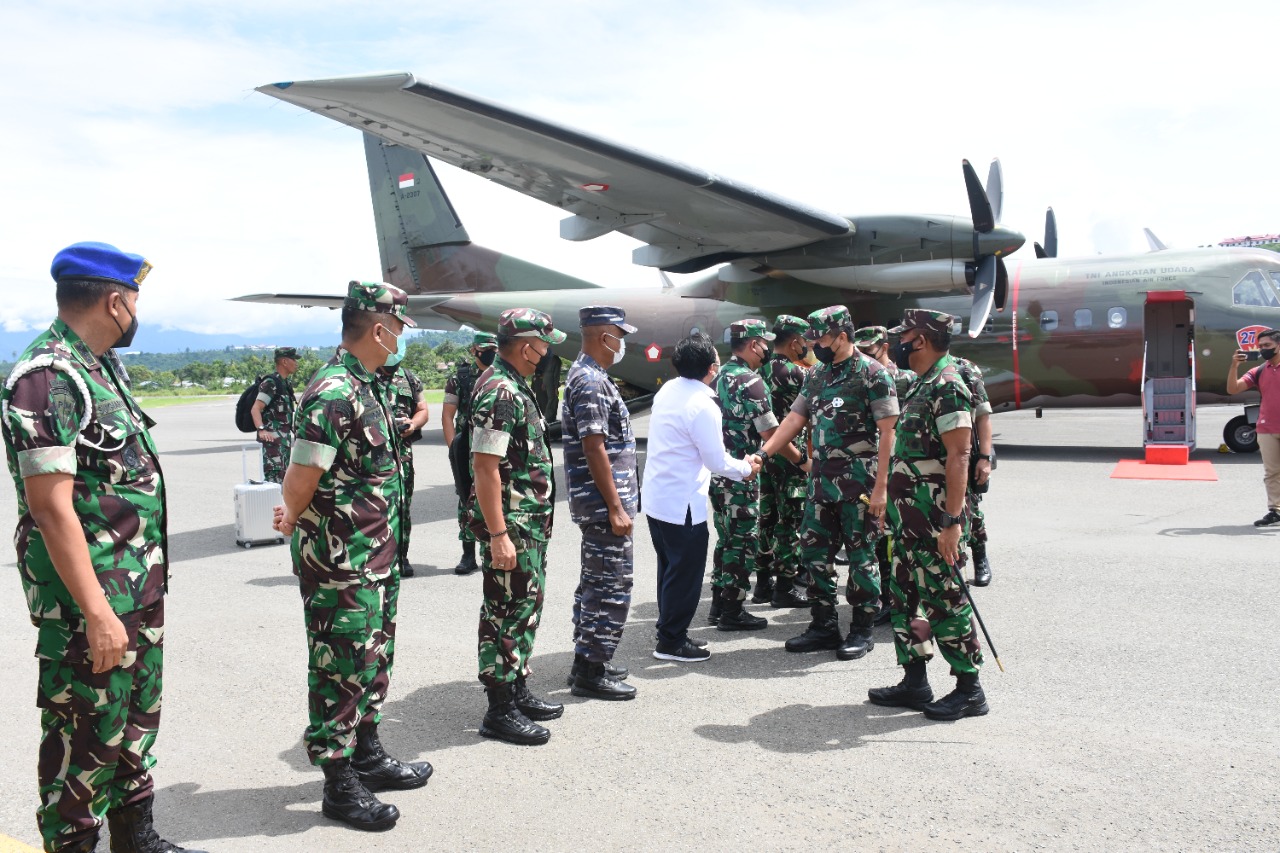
(1240,435)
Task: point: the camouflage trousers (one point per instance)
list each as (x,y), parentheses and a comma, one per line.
(275,457)
(927,604)
(511,609)
(735,507)
(977,522)
(828,525)
(603,596)
(782,491)
(97,729)
(406,514)
(351,644)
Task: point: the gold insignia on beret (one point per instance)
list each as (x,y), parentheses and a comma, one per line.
(142,273)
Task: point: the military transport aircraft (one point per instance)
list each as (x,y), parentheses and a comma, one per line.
(1154,329)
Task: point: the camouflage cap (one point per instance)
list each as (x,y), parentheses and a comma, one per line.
(100,262)
(484,340)
(834,320)
(287,352)
(379,298)
(868,335)
(605,315)
(785,323)
(745,329)
(922,318)
(528,323)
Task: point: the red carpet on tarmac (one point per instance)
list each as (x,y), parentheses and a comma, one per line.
(1136,469)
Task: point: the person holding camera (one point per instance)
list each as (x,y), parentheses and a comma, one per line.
(1265,378)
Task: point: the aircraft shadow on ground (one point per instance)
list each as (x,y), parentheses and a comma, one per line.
(1218,530)
(805,728)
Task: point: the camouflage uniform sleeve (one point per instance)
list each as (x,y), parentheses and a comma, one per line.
(267,390)
(43,420)
(755,403)
(325,420)
(451,390)
(952,406)
(981,400)
(417,391)
(586,401)
(807,390)
(494,421)
(882,395)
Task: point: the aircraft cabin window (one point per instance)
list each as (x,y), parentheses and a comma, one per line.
(1084,318)
(1254,290)
(1117,317)
(1049,321)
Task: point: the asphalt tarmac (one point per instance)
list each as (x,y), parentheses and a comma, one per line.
(1137,621)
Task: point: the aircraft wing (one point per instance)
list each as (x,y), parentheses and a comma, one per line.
(420,307)
(306,300)
(690,219)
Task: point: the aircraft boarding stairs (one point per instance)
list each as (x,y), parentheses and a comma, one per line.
(1168,380)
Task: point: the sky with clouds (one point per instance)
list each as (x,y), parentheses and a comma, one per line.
(136,123)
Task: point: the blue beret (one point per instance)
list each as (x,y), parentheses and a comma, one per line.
(605,315)
(100,262)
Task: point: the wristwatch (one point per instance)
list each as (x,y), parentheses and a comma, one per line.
(950,520)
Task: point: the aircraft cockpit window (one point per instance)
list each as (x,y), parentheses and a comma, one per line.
(1084,318)
(1254,290)
(1117,317)
(1049,321)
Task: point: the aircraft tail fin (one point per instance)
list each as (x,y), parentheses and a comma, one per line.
(422,242)
(1156,244)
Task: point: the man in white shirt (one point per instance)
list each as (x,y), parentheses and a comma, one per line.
(685,448)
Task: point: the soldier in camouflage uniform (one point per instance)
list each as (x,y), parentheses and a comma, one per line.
(873,342)
(600,471)
(410,414)
(782,483)
(747,422)
(982,457)
(92,554)
(926,507)
(272,414)
(511,514)
(343,505)
(850,405)
(455,417)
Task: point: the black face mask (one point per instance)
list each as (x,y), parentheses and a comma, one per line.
(826,355)
(486,358)
(1268,353)
(901,355)
(126,335)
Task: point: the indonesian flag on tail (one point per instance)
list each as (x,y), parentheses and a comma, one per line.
(406,180)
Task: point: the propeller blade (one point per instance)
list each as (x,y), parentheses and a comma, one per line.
(979,205)
(1040,252)
(1050,234)
(984,290)
(995,188)
(1002,284)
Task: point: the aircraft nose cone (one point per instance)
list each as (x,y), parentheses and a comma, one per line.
(1000,241)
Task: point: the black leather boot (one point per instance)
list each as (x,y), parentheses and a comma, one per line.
(406,570)
(348,800)
(531,706)
(615,671)
(967,700)
(785,595)
(132,832)
(593,682)
(763,592)
(504,721)
(981,568)
(468,563)
(823,633)
(859,641)
(713,614)
(912,692)
(379,771)
(734,617)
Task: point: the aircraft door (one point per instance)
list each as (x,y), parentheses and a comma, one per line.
(1168,382)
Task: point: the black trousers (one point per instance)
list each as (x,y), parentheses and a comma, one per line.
(682,560)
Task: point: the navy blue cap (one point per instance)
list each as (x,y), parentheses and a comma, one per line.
(100,262)
(605,315)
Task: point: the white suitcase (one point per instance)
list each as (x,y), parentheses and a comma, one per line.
(255,504)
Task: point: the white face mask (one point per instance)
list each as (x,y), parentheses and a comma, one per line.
(622,348)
